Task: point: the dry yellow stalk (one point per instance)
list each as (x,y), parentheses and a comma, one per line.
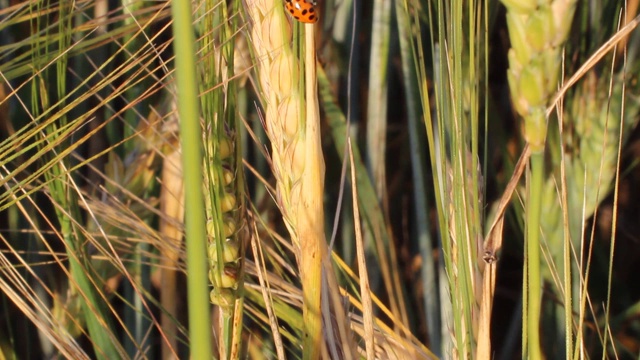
(172,206)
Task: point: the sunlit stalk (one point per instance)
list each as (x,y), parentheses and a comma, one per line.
(534,283)
(197,284)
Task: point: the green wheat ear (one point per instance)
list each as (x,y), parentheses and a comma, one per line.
(223,245)
(592,125)
(537,30)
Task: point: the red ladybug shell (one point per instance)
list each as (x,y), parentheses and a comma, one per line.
(302,10)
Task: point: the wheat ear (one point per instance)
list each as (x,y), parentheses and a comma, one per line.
(537,30)
(292,124)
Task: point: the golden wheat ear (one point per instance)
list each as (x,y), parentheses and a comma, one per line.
(292,125)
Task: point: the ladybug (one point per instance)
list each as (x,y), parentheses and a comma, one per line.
(302,10)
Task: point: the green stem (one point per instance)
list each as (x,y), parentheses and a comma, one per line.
(197,283)
(534,202)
